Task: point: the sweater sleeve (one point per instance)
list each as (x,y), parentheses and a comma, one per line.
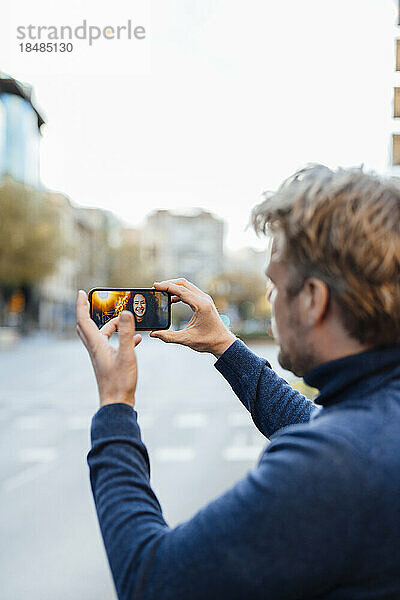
(272,402)
(273,535)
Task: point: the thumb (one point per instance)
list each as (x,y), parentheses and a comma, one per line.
(167,336)
(126,332)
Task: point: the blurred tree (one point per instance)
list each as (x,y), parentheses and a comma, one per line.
(246,291)
(31,246)
(30,235)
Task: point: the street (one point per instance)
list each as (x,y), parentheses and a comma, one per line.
(199,437)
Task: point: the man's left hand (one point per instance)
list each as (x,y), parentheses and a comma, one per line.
(115,368)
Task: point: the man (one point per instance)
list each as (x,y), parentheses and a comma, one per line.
(319,516)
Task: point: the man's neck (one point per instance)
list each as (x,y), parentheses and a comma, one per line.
(331,343)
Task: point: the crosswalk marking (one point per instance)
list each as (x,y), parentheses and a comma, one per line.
(174,454)
(239,453)
(78,422)
(38,454)
(33,423)
(190,420)
(27,475)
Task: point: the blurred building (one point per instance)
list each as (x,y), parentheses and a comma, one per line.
(98,232)
(20,124)
(187,245)
(246,260)
(131,236)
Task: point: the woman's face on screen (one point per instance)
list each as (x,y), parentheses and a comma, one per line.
(139,306)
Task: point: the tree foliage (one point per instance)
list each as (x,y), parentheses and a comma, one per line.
(247,291)
(30,235)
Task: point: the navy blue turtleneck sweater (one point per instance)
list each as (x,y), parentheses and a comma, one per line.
(318,517)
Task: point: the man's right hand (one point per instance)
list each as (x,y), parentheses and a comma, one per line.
(205,332)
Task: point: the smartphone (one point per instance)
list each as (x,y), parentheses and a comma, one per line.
(151,308)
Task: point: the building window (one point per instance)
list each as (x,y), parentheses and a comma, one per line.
(396,149)
(397,55)
(396,102)
(19,143)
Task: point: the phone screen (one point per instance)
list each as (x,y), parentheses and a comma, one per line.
(151,309)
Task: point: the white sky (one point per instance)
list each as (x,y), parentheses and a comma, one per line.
(223,99)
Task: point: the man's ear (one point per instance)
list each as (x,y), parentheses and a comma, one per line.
(313,301)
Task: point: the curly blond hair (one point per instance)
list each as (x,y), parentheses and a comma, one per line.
(342,227)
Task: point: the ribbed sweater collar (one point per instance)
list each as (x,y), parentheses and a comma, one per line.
(344,377)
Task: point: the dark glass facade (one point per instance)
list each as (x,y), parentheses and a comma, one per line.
(19,139)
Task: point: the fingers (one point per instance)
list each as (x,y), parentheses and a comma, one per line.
(126,333)
(86,328)
(82,306)
(89,333)
(109,328)
(175,299)
(81,335)
(182,282)
(168,336)
(137,339)
(112,325)
(179,291)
